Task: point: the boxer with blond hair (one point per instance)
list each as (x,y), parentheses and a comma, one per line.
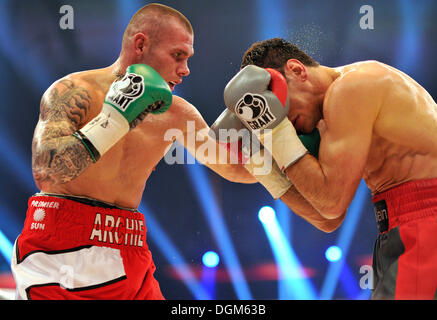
(99,136)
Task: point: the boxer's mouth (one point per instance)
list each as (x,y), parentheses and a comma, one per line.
(172,84)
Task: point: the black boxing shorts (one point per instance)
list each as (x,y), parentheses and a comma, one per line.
(405,253)
(79,248)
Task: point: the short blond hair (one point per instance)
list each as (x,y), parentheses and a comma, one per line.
(150,19)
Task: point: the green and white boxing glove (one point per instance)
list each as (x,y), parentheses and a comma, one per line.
(142,90)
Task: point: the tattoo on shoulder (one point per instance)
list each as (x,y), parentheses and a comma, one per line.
(73,102)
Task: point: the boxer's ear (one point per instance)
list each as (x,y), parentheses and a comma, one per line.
(141,43)
(296,70)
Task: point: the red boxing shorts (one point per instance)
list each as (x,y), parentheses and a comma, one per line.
(405,253)
(79,248)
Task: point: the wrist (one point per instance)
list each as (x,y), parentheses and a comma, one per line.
(102,132)
(284,144)
(268,174)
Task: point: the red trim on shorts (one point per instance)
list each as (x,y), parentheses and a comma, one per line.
(412,207)
(409,201)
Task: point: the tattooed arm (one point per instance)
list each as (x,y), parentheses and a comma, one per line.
(57,156)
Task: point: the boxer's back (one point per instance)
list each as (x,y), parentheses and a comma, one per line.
(404,141)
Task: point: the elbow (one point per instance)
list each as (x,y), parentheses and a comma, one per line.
(242,180)
(330,225)
(333,212)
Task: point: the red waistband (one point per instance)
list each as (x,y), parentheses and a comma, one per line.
(55,218)
(408,201)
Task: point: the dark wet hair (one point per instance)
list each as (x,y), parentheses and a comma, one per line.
(274,53)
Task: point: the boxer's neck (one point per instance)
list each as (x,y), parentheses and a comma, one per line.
(117,69)
(321,78)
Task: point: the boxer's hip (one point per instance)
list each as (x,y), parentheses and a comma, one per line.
(58,222)
(405,253)
(407,202)
(78,245)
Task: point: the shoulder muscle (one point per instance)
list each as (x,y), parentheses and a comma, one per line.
(67,100)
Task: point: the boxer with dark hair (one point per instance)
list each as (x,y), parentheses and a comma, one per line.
(376,123)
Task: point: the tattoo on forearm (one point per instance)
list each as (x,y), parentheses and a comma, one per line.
(58,157)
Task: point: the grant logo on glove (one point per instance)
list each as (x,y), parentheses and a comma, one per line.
(265,111)
(128,101)
(123,92)
(253,110)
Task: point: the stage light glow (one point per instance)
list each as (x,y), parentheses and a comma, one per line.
(344,241)
(6,247)
(12,158)
(210,259)
(169,250)
(217,224)
(267,214)
(285,220)
(293,277)
(349,283)
(274,25)
(333,254)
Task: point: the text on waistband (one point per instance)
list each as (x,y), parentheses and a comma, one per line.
(127,231)
(44,204)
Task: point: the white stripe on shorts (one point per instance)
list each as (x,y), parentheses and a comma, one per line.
(81,268)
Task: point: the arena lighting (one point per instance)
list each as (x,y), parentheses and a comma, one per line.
(284,216)
(210,259)
(6,247)
(347,231)
(295,285)
(12,224)
(214,217)
(409,42)
(18,54)
(271,20)
(349,283)
(333,254)
(171,253)
(364,294)
(127,10)
(267,215)
(14,160)
(209,280)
